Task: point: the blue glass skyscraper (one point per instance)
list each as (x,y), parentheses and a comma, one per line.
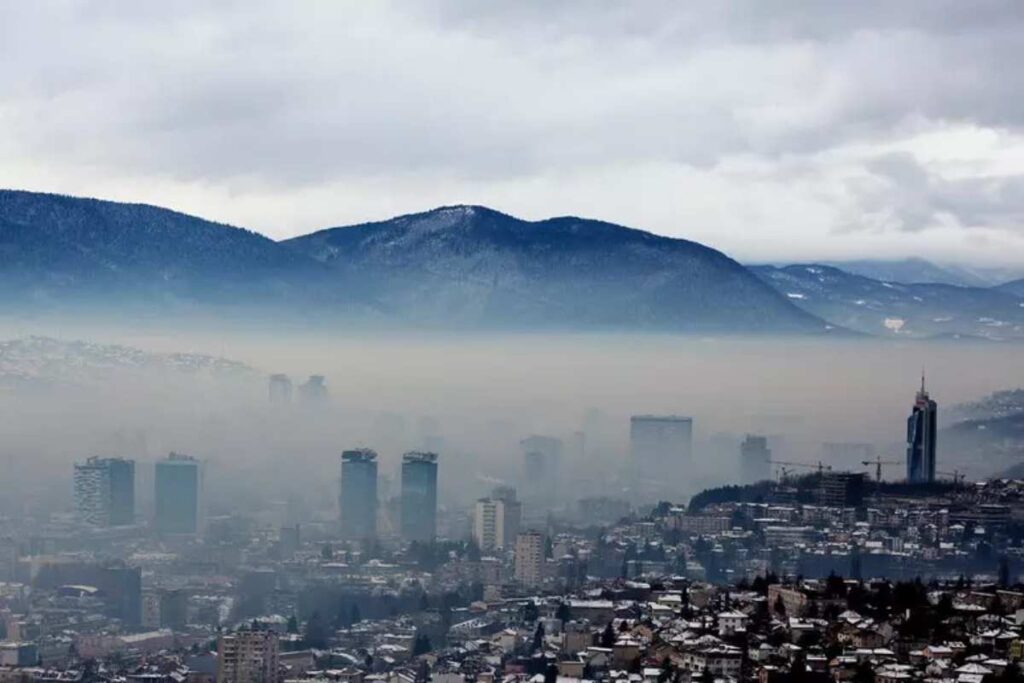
(358,502)
(419,496)
(921,437)
(178,481)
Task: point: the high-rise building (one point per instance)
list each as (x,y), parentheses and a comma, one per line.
(280,388)
(496,520)
(105,491)
(921,437)
(178,491)
(755,459)
(662,451)
(529,559)
(542,463)
(122,491)
(419,496)
(358,501)
(248,657)
(313,390)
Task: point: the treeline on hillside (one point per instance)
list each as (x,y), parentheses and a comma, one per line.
(761,492)
(804,489)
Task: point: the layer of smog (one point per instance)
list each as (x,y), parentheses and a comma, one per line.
(472,399)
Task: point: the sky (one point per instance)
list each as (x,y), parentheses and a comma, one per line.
(774,131)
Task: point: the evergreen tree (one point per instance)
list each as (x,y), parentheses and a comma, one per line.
(316,632)
(562,613)
(608,635)
(538,638)
(421,645)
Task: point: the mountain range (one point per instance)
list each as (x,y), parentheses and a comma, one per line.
(880,307)
(457,267)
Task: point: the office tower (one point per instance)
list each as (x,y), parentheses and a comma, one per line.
(174,609)
(529,560)
(248,657)
(542,461)
(280,389)
(496,520)
(178,491)
(358,501)
(921,436)
(662,452)
(314,390)
(92,493)
(105,491)
(755,459)
(419,496)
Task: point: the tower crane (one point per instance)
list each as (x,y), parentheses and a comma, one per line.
(783,464)
(878,462)
(957,475)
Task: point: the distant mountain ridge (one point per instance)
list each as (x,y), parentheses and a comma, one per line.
(69,251)
(454,267)
(884,308)
(473,264)
(921,271)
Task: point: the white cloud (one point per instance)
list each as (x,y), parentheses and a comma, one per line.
(760,128)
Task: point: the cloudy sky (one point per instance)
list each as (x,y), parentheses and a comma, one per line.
(772,130)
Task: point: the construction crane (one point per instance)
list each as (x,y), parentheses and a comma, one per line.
(957,475)
(878,462)
(821,467)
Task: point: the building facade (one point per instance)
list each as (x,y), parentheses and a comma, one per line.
(419,496)
(529,559)
(178,491)
(248,657)
(496,520)
(921,438)
(358,500)
(661,448)
(755,459)
(105,491)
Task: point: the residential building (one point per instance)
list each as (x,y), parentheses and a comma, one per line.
(248,657)
(529,558)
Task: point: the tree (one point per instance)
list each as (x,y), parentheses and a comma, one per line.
(326,553)
(530,612)
(562,612)
(538,638)
(316,632)
(780,606)
(608,636)
(293,624)
(421,645)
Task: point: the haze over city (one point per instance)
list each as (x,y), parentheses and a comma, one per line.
(508,342)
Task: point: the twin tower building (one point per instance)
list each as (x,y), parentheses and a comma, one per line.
(358,499)
(105,493)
